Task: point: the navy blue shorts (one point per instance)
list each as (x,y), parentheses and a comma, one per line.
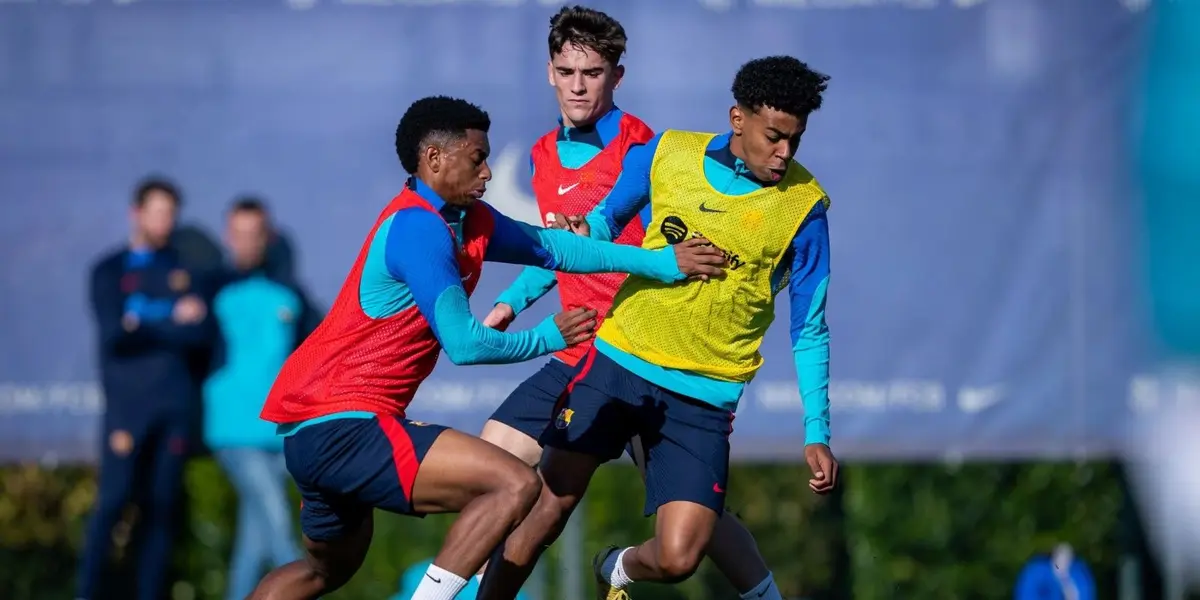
(681,444)
(530,406)
(347,467)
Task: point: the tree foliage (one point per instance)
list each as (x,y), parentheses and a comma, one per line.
(899,531)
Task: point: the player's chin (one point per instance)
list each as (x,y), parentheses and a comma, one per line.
(475,195)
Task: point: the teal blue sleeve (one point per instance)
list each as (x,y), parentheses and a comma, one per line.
(416,255)
(519,243)
(469,342)
(527,288)
(809,332)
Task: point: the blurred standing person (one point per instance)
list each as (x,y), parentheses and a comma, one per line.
(150,317)
(261,317)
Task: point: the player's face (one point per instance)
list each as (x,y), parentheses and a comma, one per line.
(767,140)
(460,168)
(247,235)
(584,83)
(154,220)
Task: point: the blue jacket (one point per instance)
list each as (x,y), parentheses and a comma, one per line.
(259,320)
(144,365)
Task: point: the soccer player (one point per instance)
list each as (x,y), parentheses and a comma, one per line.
(670,364)
(574,167)
(340,399)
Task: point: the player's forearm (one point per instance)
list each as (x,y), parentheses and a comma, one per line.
(468,342)
(573,253)
(812,372)
(529,286)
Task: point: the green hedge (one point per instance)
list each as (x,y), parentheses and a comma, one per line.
(930,532)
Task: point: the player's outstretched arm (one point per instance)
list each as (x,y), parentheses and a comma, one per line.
(527,288)
(810,342)
(420,254)
(518,243)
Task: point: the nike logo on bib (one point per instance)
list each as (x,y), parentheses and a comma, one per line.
(704,208)
(562,190)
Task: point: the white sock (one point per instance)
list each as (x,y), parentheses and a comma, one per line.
(613,570)
(765,590)
(439,584)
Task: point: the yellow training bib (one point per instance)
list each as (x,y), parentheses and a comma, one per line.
(712,328)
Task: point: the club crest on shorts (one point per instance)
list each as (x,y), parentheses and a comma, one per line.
(564,418)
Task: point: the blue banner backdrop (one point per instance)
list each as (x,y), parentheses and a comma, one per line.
(983,304)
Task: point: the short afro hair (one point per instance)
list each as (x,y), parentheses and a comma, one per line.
(587,28)
(434,117)
(781,82)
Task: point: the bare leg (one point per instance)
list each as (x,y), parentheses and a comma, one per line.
(514,442)
(490,489)
(327,567)
(732,547)
(566,475)
(681,532)
(735,553)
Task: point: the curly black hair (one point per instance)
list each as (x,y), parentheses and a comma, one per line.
(781,82)
(435,117)
(587,28)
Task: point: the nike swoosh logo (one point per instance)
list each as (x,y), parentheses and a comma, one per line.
(718,489)
(704,208)
(431,578)
(562,190)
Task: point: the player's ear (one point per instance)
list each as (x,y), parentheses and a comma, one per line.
(550,72)
(737,119)
(433,157)
(618,75)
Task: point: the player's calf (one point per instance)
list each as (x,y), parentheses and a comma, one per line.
(328,566)
(682,531)
(491,489)
(566,476)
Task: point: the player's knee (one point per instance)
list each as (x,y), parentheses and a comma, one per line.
(678,561)
(527,488)
(521,487)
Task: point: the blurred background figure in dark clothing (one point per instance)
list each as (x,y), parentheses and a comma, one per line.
(261,315)
(151,316)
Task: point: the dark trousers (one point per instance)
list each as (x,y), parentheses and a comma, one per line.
(141,462)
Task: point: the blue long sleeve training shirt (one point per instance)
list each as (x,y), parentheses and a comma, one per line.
(807,263)
(412,262)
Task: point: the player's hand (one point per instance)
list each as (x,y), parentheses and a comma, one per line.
(577,325)
(188,310)
(573,223)
(824,468)
(501,317)
(699,259)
